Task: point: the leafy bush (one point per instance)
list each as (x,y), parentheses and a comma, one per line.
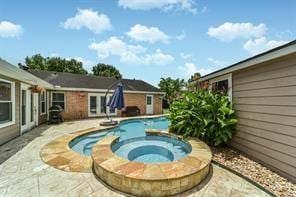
(205,115)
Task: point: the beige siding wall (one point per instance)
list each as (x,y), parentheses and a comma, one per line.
(10,132)
(157,105)
(264,98)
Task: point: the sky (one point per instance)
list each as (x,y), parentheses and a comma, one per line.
(146,39)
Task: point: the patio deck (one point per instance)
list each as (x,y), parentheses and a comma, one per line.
(23,173)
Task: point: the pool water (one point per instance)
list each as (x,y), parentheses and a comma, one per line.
(152,149)
(126,130)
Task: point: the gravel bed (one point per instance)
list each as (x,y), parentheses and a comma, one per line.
(254,171)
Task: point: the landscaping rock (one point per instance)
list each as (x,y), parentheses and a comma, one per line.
(254,171)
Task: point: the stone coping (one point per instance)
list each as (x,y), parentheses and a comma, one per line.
(151,179)
(58,154)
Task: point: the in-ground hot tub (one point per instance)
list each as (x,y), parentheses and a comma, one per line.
(152,149)
(156,165)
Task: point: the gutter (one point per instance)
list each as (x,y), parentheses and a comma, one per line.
(277,52)
(58,88)
(13,72)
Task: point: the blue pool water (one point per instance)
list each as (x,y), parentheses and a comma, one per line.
(134,145)
(152,149)
(125,130)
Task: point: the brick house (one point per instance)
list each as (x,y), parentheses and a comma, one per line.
(25,97)
(83,96)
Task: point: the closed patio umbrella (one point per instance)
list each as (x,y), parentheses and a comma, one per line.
(116,102)
(117,99)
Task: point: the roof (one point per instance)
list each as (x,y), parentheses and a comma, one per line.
(14,72)
(79,81)
(277,52)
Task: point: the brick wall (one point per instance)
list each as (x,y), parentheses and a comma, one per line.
(139,100)
(77,104)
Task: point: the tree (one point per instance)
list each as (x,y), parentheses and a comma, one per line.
(193,82)
(194,77)
(38,62)
(172,88)
(105,70)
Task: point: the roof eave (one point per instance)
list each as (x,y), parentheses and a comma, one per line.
(58,88)
(284,50)
(14,72)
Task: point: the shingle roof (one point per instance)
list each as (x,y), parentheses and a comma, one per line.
(70,80)
(14,72)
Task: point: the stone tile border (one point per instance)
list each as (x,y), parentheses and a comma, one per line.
(144,179)
(58,154)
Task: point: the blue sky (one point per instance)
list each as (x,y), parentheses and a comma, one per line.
(146,39)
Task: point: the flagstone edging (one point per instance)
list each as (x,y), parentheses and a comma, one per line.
(59,155)
(147,179)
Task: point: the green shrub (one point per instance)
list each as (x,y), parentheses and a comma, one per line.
(205,115)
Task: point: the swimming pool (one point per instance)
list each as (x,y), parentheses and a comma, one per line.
(126,129)
(130,159)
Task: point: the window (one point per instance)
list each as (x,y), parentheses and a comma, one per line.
(149,100)
(6,103)
(24,104)
(103,104)
(93,104)
(58,98)
(223,85)
(43,103)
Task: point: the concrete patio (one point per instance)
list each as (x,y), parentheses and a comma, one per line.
(23,173)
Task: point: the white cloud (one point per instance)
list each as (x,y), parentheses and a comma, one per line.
(133,54)
(159,58)
(115,46)
(10,30)
(217,63)
(89,19)
(181,36)
(230,31)
(147,34)
(186,56)
(189,69)
(262,44)
(165,5)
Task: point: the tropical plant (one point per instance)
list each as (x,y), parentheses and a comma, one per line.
(205,115)
(172,88)
(106,70)
(38,62)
